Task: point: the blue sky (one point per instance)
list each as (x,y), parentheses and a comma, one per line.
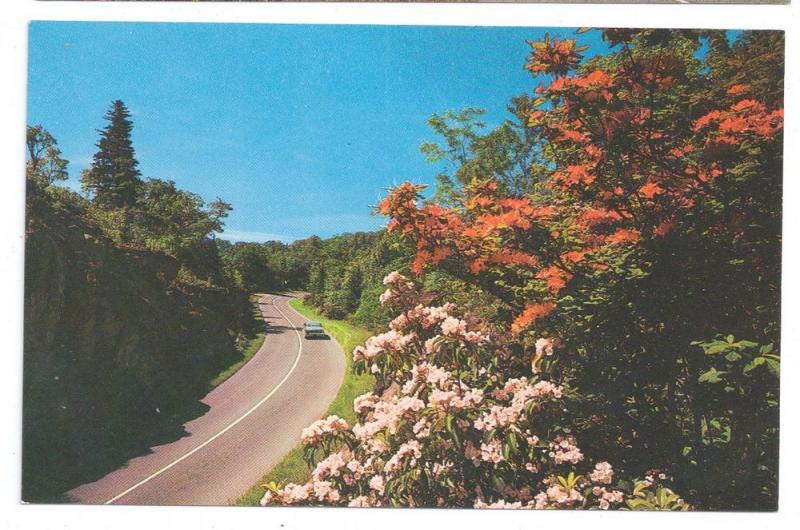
(300,127)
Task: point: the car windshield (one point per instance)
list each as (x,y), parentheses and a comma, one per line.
(313,324)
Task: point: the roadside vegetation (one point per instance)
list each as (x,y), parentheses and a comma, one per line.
(293,468)
(248,346)
(590,313)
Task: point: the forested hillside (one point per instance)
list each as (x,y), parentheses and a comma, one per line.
(342,275)
(127,312)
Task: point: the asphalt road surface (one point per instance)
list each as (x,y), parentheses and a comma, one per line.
(254,419)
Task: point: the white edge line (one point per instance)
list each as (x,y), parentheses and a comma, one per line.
(230,426)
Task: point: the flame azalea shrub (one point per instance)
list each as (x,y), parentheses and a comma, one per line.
(450,430)
(653,227)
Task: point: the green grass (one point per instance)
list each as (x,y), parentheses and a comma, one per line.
(250,349)
(292,468)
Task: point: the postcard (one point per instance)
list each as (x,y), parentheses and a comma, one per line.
(403,266)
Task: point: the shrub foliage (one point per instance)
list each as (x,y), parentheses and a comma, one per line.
(628,218)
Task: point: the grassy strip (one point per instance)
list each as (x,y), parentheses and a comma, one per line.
(250,349)
(292,468)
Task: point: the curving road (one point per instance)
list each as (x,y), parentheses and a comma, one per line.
(254,419)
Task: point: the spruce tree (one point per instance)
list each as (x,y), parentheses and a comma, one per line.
(113,178)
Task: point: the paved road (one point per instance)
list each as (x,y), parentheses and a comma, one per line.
(255,418)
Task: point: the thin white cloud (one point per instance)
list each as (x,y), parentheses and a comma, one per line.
(253,237)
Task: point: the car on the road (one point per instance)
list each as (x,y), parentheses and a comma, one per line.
(314,330)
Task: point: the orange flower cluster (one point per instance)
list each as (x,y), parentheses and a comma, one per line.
(746,117)
(553,56)
(624,165)
(531,314)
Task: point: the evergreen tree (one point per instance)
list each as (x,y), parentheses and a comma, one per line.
(113,178)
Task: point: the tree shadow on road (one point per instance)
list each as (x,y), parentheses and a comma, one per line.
(137,442)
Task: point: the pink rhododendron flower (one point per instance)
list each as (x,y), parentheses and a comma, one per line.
(393,277)
(559,495)
(293,493)
(267,498)
(409,403)
(607,498)
(376,445)
(428,317)
(545,388)
(492,452)
(565,450)
(362,501)
(453,327)
(430,374)
(407,449)
(387,296)
(422,429)
(474,337)
(399,323)
(544,347)
(329,466)
(324,491)
(433,413)
(377,483)
(603,473)
(541,501)
(389,342)
(432,345)
(364,402)
(320,428)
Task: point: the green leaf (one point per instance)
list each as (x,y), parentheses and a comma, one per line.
(774,366)
(716,347)
(636,504)
(512,442)
(711,376)
(733,357)
(637,489)
(755,363)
